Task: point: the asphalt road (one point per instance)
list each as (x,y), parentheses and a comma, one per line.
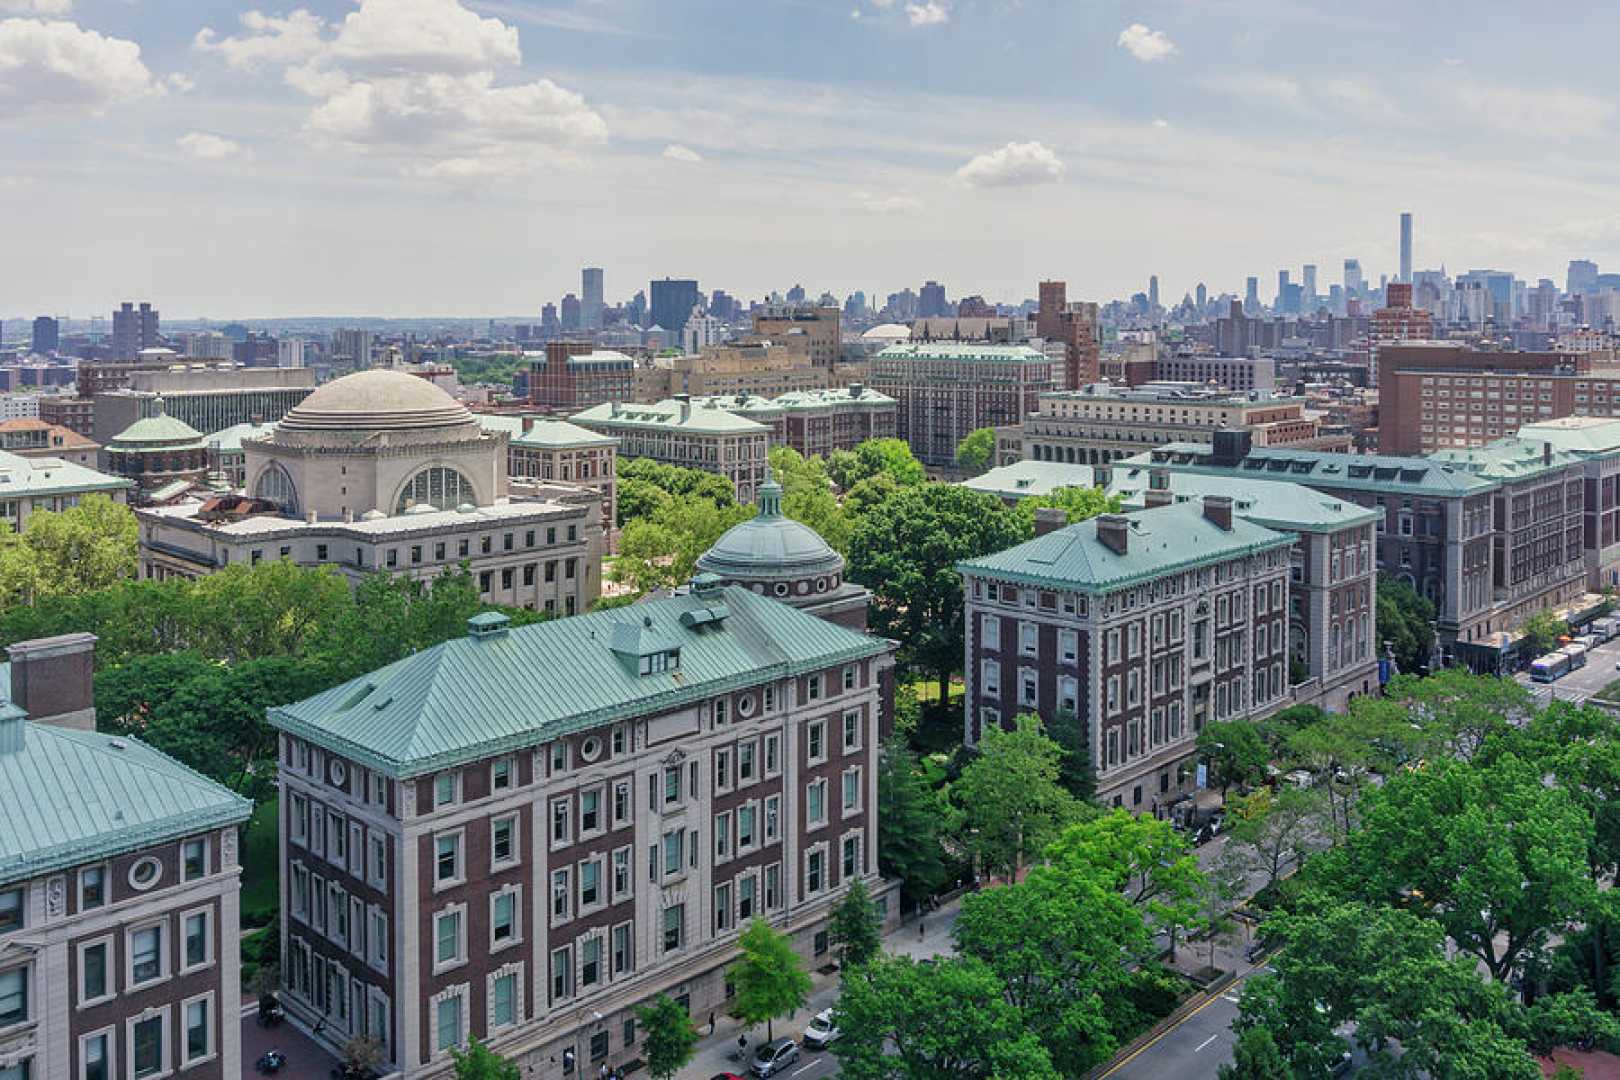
(1577,686)
(1195,1048)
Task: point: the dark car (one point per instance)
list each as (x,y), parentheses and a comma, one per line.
(774,1056)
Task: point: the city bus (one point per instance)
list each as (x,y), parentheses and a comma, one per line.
(1576,651)
(1553,666)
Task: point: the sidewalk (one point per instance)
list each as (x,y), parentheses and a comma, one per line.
(717,1053)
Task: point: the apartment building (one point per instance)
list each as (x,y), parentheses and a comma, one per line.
(692,434)
(945,390)
(817,326)
(1236,373)
(119,941)
(1442,395)
(577,375)
(1147,626)
(474,847)
(549,451)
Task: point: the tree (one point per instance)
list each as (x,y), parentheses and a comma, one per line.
(1256,1057)
(807,495)
(1406,621)
(906,551)
(1236,753)
(873,491)
(900,1020)
(1143,858)
(663,550)
(855,928)
(1542,631)
(913,821)
(1268,830)
(891,457)
(69,552)
(769,977)
(1077,503)
(669,1038)
(1074,769)
(1009,796)
(479,1062)
(1455,711)
(977,450)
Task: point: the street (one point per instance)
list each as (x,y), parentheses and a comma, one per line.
(1577,686)
(1197,1047)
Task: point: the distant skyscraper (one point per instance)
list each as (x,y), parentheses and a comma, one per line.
(590,310)
(1406,247)
(795,295)
(47,335)
(1282,288)
(290,353)
(548,320)
(1251,297)
(1582,277)
(570,312)
(931,301)
(1201,297)
(1153,292)
(672,302)
(1352,278)
(855,305)
(1310,283)
(134,329)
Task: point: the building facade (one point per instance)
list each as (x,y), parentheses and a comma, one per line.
(1145,626)
(576,375)
(524,860)
(161,455)
(32,484)
(133,329)
(37,439)
(820,327)
(209,399)
(944,390)
(691,434)
(119,940)
(1239,374)
(545,452)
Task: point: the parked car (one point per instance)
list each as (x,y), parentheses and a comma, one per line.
(774,1056)
(1341,1065)
(821,1031)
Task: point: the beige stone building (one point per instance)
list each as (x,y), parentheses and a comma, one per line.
(760,368)
(691,434)
(542,451)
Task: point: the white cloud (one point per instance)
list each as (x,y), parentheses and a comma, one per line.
(1262,90)
(677,152)
(61,65)
(35,7)
(888,204)
(928,13)
(206,147)
(180,83)
(1014,165)
(1161,123)
(417,80)
(1144,44)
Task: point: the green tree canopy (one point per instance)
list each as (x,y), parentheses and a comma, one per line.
(856,930)
(913,822)
(1405,620)
(807,495)
(479,1062)
(668,1037)
(1541,632)
(890,457)
(906,550)
(977,450)
(69,552)
(1009,797)
(769,978)
(677,484)
(900,1020)
(1078,503)
(1236,752)
(1268,831)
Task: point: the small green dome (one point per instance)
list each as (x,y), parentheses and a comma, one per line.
(769,546)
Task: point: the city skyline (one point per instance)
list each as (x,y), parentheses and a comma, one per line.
(432,132)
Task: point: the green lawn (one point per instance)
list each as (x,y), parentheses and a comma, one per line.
(260,865)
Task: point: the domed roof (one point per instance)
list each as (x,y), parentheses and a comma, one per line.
(888,332)
(377,400)
(159,429)
(770,546)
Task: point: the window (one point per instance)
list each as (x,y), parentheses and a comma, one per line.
(560,822)
(621,873)
(11,910)
(590,883)
(773,757)
(816,803)
(444,790)
(145,874)
(379,938)
(146,1047)
(447,948)
(379,862)
(503,1000)
(674,927)
(621,949)
(745,827)
(197,940)
(852,730)
(448,1015)
(146,955)
(816,735)
(852,790)
(674,844)
(852,857)
(439,487)
(94,984)
(95,1057)
(745,897)
(773,818)
(501,775)
(849,677)
(745,762)
(194,858)
(562,973)
(672,786)
(562,894)
(503,840)
(722,908)
(503,914)
(590,961)
(773,886)
(621,803)
(13,996)
(447,858)
(813,688)
(722,770)
(815,872)
(92,891)
(199,1032)
(990,632)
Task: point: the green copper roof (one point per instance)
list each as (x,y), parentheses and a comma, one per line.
(1507,459)
(559,434)
(20,476)
(160,429)
(1024,479)
(470,698)
(1584,435)
(1382,473)
(963,351)
(1161,540)
(701,416)
(74,797)
(1272,503)
(769,545)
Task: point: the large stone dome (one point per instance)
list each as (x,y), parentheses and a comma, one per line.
(770,547)
(378,400)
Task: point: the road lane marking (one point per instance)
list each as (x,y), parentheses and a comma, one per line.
(806,1065)
(1206,1042)
(1145,1047)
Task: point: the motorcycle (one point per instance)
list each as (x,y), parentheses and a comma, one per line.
(271,1062)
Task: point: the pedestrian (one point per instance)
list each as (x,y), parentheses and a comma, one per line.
(711,1023)
(921,926)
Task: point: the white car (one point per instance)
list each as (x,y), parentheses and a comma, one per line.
(821,1030)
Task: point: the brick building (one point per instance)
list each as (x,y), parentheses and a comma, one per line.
(119,941)
(819,326)
(1076,325)
(947,389)
(577,375)
(476,848)
(692,434)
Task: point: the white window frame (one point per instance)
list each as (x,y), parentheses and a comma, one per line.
(516,938)
(516,855)
(109,1035)
(207,914)
(110,966)
(161,924)
(160,1013)
(183,1044)
(460,875)
(458,911)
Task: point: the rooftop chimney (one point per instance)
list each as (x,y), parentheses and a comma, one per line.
(51,680)
(1102,475)
(1218,508)
(856,389)
(1546,453)
(1050,519)
(1113,531)
(528,424)
(1157,496)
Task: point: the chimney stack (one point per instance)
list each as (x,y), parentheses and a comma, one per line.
(1113,532)
(1157,496)
(51,680)
(1050,519)
(528,424)
(1102,476)
(1218,508)
(1546,453)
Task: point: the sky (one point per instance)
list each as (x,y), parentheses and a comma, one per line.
(468,157)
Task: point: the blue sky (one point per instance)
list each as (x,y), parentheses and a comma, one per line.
(468,156)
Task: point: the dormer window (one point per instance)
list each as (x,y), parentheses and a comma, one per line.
(660,662)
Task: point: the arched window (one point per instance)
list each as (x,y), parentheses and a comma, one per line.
(277,487)
(438,487)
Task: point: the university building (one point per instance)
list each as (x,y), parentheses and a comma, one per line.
(476,845)
(947,389)
(692,434)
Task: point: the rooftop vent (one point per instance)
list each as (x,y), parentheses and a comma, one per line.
(488,624)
